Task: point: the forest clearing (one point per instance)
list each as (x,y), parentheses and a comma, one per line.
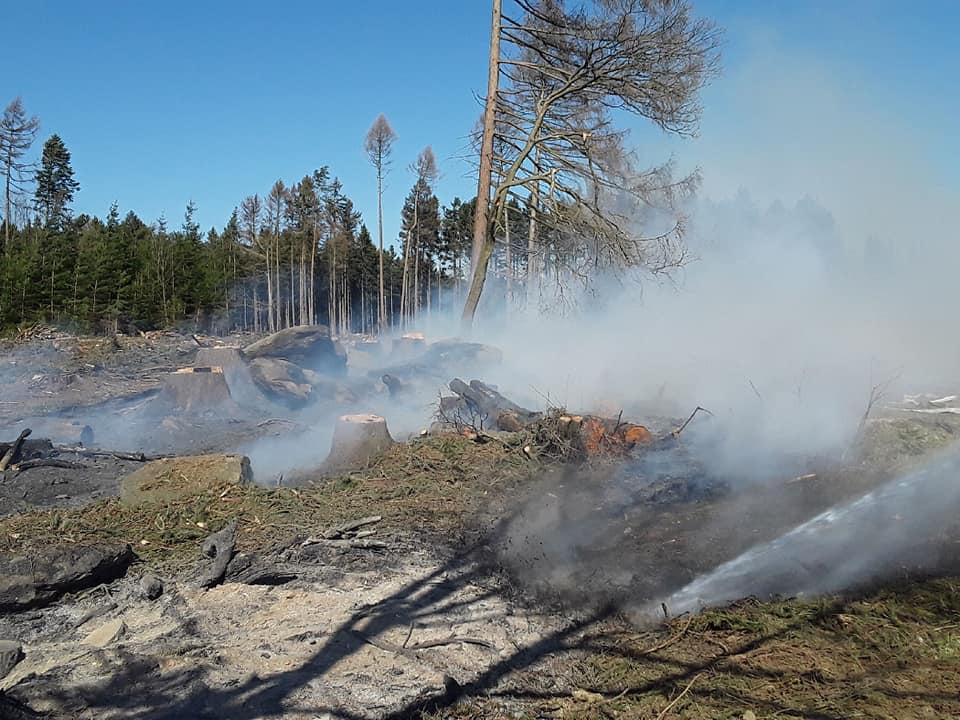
(459,570)
(523,359)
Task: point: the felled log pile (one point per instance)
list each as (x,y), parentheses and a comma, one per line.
(477,409)
(478,406)
(566,437)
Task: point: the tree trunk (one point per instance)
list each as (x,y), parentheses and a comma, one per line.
(533,270)
(482,247)
(270,324)
(313,277)
(508,254)
(382,307)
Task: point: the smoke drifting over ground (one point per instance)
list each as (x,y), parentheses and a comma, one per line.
(825,260)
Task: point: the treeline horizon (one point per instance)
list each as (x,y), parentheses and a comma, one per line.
(298,254)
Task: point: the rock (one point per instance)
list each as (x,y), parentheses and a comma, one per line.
(749,715)
(462,356)
(44,575)
(282,380)
(151,586)
(309,346)
(106,634)
(169,478)
(11,653)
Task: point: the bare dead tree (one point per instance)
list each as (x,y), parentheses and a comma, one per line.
(379,146)
(562,73)
(17,133)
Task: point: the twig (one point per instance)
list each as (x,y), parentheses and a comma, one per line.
(676,433)
(673,702)
(670,640)
(343,529)
(619,421)
(388,646)
(407,638)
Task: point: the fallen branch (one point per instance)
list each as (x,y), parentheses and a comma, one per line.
(84,452)
(219,546)
(346,543)
(10,454)
(388,646)
(663,713)
(48,462)
(341,530)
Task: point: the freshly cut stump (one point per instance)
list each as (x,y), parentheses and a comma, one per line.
(195,389)
(235,370)
(358,439)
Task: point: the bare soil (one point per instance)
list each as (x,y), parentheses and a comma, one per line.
(500,592)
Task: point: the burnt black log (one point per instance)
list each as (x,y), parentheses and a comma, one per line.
(40,577)
(219,546)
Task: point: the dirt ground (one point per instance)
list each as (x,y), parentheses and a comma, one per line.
(502,588)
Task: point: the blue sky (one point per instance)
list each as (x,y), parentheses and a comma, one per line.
(162,103)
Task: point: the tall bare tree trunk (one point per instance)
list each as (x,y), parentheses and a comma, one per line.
(382,306)
(311,297)
(533,268)
(276,277)
(291,306)
(404,295)
(481,249)
(271,326)
(508,257)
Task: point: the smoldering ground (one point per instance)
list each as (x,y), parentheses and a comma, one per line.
(817,285)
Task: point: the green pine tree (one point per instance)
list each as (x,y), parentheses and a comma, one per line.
(55,183)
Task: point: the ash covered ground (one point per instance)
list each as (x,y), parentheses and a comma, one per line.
(464,570)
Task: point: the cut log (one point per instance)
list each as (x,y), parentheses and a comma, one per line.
(357,439)
(486,401)
(309,346)
(195,389)
(45,574)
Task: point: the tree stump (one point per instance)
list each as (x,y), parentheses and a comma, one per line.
(195,389)
(235,370)
(358,439)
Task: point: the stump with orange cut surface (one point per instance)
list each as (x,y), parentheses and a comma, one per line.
(358,439)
